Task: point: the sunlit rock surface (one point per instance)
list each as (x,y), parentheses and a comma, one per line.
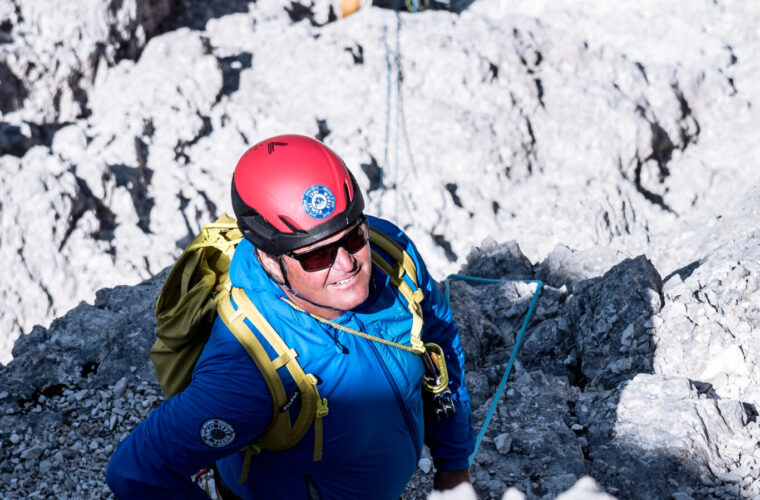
(608,150)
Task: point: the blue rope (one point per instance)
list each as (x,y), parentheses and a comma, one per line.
(389,63)
(387,112)
(397,170)
(399,126)
(512,357)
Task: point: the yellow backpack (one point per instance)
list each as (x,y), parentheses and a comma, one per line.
(198,289)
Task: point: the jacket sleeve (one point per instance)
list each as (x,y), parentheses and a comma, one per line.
(451,440)
(215,416)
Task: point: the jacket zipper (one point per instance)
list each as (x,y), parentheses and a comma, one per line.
(410,424)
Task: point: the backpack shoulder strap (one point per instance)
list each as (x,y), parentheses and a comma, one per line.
(402,261)
(234,308)
(402,266)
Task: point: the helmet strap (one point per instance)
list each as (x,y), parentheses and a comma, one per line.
(284,273)
(286,285)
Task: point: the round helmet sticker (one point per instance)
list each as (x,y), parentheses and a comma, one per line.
(217,433)
(318,201)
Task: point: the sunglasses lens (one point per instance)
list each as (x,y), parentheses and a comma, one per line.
(356,239)
(323,257)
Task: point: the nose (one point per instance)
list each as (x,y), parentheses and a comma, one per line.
(344,261)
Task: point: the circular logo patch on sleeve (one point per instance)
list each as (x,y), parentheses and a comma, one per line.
(318,201)
(217,433)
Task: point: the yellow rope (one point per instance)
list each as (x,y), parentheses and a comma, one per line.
(357,332)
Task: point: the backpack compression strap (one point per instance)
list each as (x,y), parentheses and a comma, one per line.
(279,435)
(222,234)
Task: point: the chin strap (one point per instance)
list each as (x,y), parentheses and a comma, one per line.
(285,285)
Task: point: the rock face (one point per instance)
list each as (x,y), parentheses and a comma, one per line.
(55,51)
(73,391)
(627,129)
(710,325)
(597,389)
(615,145)
(608,383)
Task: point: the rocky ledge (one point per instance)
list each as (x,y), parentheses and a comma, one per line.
(647,384)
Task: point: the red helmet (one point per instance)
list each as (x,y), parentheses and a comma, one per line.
(290,191)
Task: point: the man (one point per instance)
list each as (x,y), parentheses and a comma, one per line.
(305,263)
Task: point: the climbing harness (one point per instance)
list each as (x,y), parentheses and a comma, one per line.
(518,342)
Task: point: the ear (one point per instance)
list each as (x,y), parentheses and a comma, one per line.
(270,265)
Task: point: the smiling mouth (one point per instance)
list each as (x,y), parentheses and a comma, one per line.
(346,281)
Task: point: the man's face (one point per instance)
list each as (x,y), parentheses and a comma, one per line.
(343,286)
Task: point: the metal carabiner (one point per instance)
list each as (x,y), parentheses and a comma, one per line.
(436,375)
(436,381)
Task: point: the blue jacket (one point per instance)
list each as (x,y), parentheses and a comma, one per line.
(375,428)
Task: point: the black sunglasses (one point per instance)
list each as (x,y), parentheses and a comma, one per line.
(323,257)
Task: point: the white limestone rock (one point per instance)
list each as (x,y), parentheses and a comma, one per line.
(59,49)
(658,414)
(585,134)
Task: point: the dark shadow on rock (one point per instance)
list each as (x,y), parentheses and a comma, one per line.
(505,261)
(12,90)
(683,272)
(136,180)
(299,12)
(77,378)
(374,173)
(92,345)
(457,6)
(631,473)
(195,15)
(608,316)
(13,141)
(752,412)
(17,139)
(445,245)
(85,201)
(705,389)
(587,340)
(231,67)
